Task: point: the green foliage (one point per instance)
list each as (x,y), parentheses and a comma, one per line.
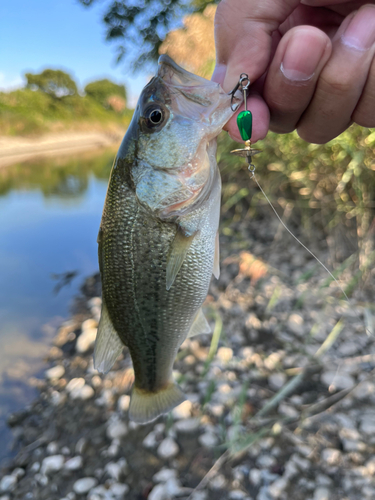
(330,186)
(25,112)
(144,24)
(101,90)
(55,83)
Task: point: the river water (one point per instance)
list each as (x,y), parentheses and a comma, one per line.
(50,212)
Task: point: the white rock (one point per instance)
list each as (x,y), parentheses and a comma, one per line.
(322,493)
(265,461)
(86,392)
(172,487)
(99,493)
(57,398)
(151,440)
(199,495)
(123,403)
(337,380)
(158,492)
(331,456)
(88,324)
(116,469)
(278,487)
(55,372)
(348,348)
(183,410)
(263,494)
(277,380)
(5,497)
(364,390)
(208,440)
(114,448)
(288,410)
(52,464)
(81,446)
(8,483)
(117,430)
(35,467)
(237,495)
(168,448)
(225,354)
(41,479)
(18,472)
(296,325)
(255,476)
(187,425)
(86,340)
(74,463)
(119,490)
(74,384)
(368,424)
(52,448)
(84,485)
(323,480)
(218,482)
(163,475)
(78,389)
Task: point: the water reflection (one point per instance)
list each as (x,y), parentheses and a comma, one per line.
(49,217)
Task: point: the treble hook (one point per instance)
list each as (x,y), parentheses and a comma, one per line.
(244,86)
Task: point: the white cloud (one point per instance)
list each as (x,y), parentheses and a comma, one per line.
(8,83)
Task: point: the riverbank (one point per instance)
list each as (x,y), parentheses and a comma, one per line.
(18,149)
(315,441)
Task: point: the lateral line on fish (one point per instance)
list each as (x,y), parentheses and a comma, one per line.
(305,247)
(133,274)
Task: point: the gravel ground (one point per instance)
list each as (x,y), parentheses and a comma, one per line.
(315,441)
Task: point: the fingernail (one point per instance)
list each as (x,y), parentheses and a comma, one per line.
(300,61)
(360,32)
(219,73)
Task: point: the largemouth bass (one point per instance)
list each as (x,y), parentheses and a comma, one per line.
(158,243)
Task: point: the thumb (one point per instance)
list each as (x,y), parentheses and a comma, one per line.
(243,37)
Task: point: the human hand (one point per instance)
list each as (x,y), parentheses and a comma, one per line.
(311,64)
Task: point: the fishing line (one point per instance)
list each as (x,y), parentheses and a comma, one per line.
(252,176)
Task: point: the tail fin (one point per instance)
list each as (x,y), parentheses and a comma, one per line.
(147,406)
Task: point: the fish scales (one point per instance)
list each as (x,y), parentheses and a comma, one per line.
(141,308)
(158,232)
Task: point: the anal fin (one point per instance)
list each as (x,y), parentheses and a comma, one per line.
(147,406)
(216,268)
(177,254)
(200,325)
(108,345)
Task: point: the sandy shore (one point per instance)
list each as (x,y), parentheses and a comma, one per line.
(18,149)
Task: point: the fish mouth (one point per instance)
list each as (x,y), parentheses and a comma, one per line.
(172,73)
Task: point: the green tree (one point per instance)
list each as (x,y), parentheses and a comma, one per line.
(144,24)
(54,82)
(103,90)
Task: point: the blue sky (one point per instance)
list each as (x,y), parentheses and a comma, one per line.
(35,34)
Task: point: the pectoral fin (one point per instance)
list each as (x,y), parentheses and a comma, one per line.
(216,269)
(108,345)
(177,254)
(200,325)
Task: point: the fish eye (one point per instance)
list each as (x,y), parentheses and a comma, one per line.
(154,118)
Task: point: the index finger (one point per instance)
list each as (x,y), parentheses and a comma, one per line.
(243,37)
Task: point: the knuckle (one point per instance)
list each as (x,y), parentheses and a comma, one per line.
(331,85)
